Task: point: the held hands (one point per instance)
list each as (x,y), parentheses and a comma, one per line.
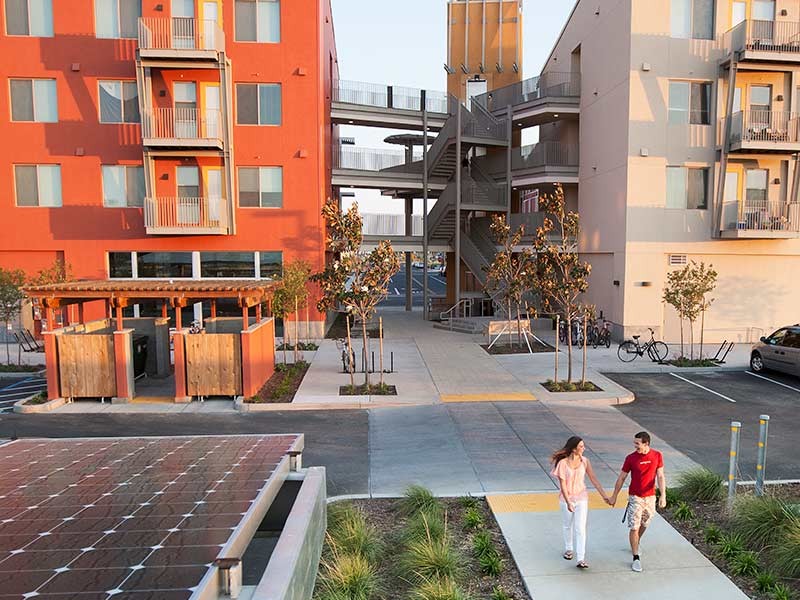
(612,500)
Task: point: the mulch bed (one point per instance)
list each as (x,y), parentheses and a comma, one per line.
(504,348)
(561,386)
(375,389)
(715,513)
(686,362)
(383,514)
(5,368)
(276,391)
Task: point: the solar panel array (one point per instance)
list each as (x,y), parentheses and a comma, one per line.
(124,518)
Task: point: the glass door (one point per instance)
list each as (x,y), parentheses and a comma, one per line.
(185,94)
(188,210)
(183,24)
(210,23)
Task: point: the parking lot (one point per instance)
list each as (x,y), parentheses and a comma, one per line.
(11,392)
(693,411)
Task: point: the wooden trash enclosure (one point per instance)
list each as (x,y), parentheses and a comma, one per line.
(214,364)
(86,365)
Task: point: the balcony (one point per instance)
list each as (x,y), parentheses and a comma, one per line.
(765,41)
(182,128)
(760,219)
(541,163)
(186,216)
(180,38)
(538,100)
(762,131)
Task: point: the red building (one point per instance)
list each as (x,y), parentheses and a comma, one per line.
(165,138)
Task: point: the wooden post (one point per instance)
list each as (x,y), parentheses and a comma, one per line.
(80,313)
(164,313)
(51,319)
(179,346)
(245,317)
(51,360)
(214,308)
(296,330)
(178,317)
(380,337)
(558,333)
(583,371)
(258,313)
(109,314)
(119,318)
(351,358)
(123,365)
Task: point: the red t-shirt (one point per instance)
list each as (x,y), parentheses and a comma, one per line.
(642,468)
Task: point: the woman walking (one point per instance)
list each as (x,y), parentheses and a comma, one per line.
(571,467)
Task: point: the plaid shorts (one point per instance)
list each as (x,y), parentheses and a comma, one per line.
(640,510)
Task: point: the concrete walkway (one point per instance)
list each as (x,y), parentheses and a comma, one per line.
(673,568)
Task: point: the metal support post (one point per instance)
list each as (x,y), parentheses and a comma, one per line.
(408,228)
(510,130)
(733,464)
(763,431)
(457,266)
(424,103)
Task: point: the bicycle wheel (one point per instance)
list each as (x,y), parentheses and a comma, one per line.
(607,336)
(627,351)
(658,351)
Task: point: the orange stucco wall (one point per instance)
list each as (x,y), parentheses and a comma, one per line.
(82,229)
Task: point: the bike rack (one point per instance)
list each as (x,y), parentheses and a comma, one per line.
(724,351)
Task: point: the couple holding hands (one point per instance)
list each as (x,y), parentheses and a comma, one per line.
(570,468)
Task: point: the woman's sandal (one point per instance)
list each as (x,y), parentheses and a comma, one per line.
(582,565)
(568,555)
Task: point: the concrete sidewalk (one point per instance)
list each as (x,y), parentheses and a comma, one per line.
(673,568)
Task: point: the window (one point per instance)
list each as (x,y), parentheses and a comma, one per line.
(258,104)
(271,265)
(693,19)
(760,98)
(258,21)
(158,265)
(689,102)
(188,182)
(763,10)
(261,187)
(34,100)
(38,185)
(29,17)
(792,339)
(120,265)
(117,18)
(687,188)
(738,13)
(123,186)
(119,102)
(755,183)
(227,265)
(777,337)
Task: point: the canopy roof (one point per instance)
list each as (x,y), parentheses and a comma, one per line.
(178,292)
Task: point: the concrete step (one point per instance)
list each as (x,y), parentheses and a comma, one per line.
(444,326)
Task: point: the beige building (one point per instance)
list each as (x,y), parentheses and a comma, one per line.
(688,133)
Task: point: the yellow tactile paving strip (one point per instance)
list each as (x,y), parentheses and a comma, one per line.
(152,400)
(547,502)
(494,397)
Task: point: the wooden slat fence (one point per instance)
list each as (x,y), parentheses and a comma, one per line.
(86,366)
(214,364)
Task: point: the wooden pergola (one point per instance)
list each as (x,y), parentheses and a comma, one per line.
(121,293)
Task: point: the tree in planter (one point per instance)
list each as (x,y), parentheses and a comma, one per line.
(561,276)
(290,296)
(354,279)
(687,292)
(510,273)
(58,272)
(11,296)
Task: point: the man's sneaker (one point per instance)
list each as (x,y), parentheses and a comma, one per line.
(637,566)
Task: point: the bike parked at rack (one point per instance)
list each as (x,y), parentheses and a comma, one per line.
(629,350)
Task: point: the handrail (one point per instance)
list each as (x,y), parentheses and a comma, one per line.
(552,84)
(180,33)
(444,137)
(761,215)
(357,158)
(380,95)
(442,207)
(466,302)
(182,123)
(185,213)
(763,126)
(764,36)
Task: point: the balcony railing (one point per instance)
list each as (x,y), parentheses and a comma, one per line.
(545,154)
(370,159)
(185,213)
(390,225)
(177,124)
(180,33)
(764,36)
(388,96)
(761,215)
(764,127)
(548,85)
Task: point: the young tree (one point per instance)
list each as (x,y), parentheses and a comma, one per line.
(561,276)
(706,279)
(675,295)
(11,296)
(290,296)
(510,272)
(58,272)
(686,290)
(354,279)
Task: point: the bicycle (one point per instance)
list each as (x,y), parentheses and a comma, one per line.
(601,336)
(656,350)
(348,356)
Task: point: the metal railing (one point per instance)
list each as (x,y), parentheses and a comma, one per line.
(545,154)
(390,225)
(388,96)
(182,123)
(373,159)
(552,84)
(481,123)
(463,308)
(475,192)
(765,36)
(180,33)
(186,213)
(766,126)
(532,221)
(761,215)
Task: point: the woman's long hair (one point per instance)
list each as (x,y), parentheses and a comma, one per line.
(567,450)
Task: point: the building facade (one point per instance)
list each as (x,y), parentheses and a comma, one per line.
(688,137)
(166,139)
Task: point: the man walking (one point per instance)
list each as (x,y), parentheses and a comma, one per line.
(645,466)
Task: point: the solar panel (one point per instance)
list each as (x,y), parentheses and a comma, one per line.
(129,518)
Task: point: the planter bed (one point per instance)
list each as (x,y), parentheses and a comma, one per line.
(575,386)
(504,348)
(375,389)
(282,386)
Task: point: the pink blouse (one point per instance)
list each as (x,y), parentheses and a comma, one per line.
(574,479)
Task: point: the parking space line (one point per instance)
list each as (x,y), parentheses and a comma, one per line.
(702,387)
(773,381)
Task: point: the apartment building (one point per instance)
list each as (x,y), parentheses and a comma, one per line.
(166,139)
(688,136)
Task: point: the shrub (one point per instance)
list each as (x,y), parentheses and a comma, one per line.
(482,544)
(700,485)
(355,536)
(469,502)
(431,559)
(781,592)
(438,589)
(425,524)
(491,564)
(683,512)
(673,496)
(763,521)
(418,498)
(765,581)
(339,512)
(499,593)
(786,555)
(473,519)
(712,534)
(745,564)
(730,544)
(348,576)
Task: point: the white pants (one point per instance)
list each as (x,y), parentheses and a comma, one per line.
(575,526)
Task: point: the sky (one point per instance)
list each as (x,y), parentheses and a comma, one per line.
(405,43)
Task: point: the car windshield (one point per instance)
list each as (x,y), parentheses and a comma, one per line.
(777,337)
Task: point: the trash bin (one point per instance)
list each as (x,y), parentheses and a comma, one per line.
(139,355)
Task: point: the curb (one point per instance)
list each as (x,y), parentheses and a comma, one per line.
(23,374)
(247,407)
(673,369)
(21,408)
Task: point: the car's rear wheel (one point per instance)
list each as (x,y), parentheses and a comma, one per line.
(756,363)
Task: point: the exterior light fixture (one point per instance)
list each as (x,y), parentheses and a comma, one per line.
(498,67)
(465,68)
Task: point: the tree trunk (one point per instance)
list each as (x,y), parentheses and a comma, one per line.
(308,324)
(508,320)
(691,339)
(364,353)
(702,328)
(583,368)
(569,349)
(380,332)
(351,358)
(555,356)
(519,328)
(8,348)
(285,338)
(681,320)
(296,331)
